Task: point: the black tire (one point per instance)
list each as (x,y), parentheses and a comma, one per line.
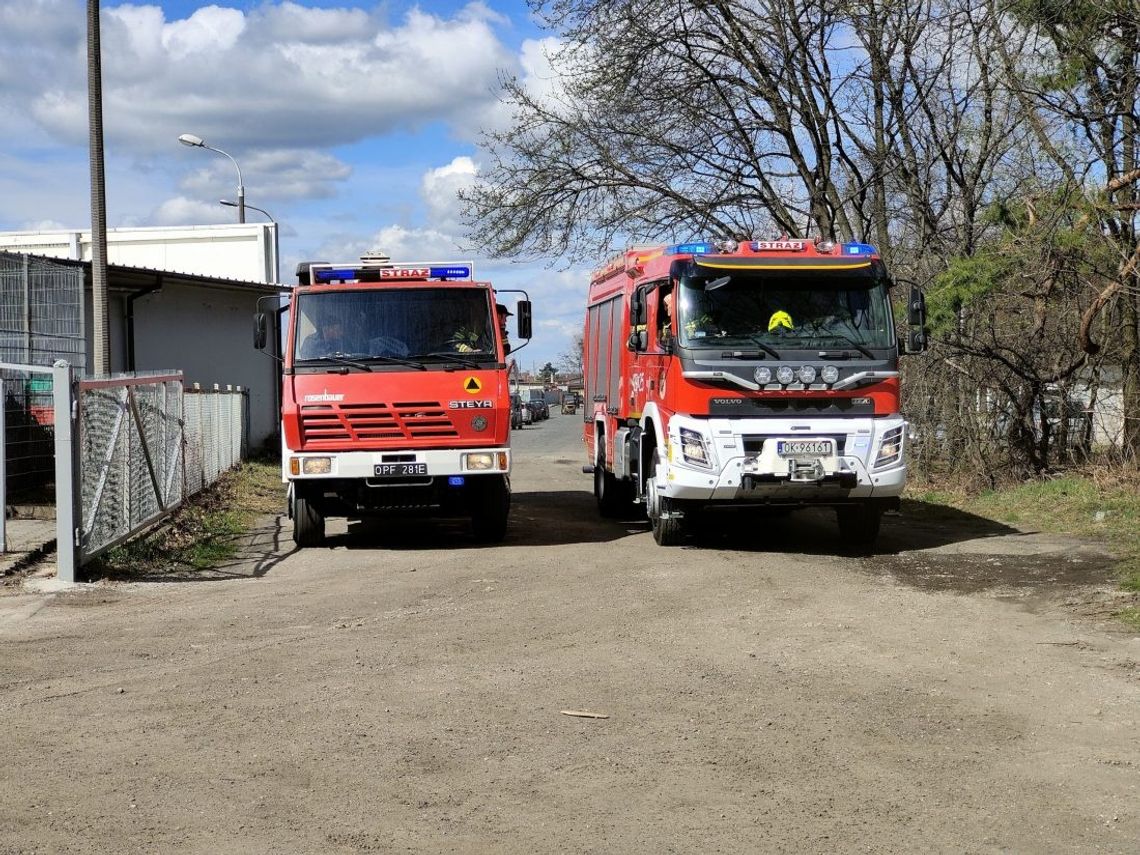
(615,497)
(491,507)
(308,523)
(667,531)
(859,524)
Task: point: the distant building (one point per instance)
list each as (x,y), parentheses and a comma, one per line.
(178,298)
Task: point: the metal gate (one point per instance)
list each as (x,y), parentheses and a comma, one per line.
(131,453)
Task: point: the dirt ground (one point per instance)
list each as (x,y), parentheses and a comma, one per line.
(404,691)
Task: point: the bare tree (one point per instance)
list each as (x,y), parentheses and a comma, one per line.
(1083,82)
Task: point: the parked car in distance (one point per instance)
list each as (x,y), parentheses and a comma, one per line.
(538,399)
(569,404)
(517,410)
(534,410)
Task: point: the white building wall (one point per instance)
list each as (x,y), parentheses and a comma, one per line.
(242,251)
(170,333)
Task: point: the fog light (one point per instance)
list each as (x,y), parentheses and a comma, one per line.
(763,375)
(829,374)
(479,460)
(785,374)
(807,374)
(316,465)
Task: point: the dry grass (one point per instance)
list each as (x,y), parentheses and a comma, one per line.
(203,532)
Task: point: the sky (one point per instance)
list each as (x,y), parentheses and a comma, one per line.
(353,125)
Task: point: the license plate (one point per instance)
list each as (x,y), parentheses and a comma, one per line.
(805,448)
(397,470)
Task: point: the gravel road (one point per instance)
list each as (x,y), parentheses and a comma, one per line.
(404,691)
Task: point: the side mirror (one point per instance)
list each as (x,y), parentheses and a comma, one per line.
(916,340)
(916,309)
(637,341)
(260,330)
(525,318)
(637,310)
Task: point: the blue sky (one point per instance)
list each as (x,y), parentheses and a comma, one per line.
(354,125)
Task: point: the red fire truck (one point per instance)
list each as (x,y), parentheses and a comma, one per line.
(394,396)
(756,375)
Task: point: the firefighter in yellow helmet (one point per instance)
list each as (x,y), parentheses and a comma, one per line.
(780,320)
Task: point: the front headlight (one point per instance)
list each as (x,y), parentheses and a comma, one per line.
(310,465)
(693,448)
(479,460)
(890,448)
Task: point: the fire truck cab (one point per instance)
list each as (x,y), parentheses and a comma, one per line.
(394,397)
(759,375)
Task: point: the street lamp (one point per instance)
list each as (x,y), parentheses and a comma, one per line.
(276,228)
(198,142)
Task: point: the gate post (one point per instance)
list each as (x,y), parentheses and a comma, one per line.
(67,472)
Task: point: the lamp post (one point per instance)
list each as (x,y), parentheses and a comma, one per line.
(276,228)
(197,142)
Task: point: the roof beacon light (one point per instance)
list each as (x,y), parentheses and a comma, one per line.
(696,248)
(369,273)
(858,249)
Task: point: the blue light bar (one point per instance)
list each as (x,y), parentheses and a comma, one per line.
(455,271)
(696,248)
(455,480)
(334,274)
(859,249)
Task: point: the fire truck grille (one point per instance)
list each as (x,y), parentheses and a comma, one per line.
(323,423)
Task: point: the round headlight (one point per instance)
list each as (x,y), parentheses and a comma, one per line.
(763,375)
(785,374)
(829,374)
(807,373)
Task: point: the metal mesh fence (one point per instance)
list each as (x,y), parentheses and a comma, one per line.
(130,455)
(41,321)
(41,311)
(146,444)
(216,427)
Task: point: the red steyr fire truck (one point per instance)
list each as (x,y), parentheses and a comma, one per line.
(756,375)
(394,395)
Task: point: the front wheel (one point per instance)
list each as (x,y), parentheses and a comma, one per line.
(668,529)
(491,508)
(308,523)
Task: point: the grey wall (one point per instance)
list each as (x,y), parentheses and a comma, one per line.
(207,333)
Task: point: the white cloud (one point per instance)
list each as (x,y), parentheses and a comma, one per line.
(298,76)
(439,190)
(207,32)
(181,211)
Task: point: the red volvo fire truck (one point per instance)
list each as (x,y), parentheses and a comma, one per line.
(758,375)
(394,396)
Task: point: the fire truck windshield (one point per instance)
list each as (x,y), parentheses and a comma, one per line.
(391,325)
(780,309)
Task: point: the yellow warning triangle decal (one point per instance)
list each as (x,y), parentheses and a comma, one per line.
(472,385)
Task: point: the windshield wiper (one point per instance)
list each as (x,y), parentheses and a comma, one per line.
(339,360)
(831,354)
(357,360)
(465,361)
(744,354)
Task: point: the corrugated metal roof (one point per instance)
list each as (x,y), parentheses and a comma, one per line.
(123,277)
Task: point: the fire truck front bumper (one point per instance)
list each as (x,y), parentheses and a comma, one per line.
(383,468)
(784,462)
